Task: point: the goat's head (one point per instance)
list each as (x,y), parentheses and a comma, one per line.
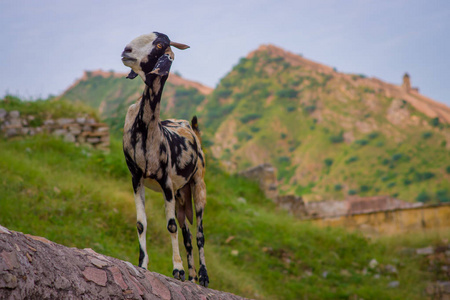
(149,54)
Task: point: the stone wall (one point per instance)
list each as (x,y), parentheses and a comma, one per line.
(81,130)
(265,175)
(394,221)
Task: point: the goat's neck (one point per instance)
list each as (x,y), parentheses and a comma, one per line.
(151,101)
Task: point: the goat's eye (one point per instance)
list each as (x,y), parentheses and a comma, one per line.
(159,46)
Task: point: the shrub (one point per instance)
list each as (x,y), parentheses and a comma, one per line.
(291,108)
(250,117)
(361,142)
(243,136)
(284,160)
(224,93)
(309,109)
(328,162)
(427,135)
(434,122)
(423,197)
(447,169)
(335,139)
(407,181)
(351,159)
(352,192)
(287,93)
(338,187)
(424,176)
(364,188)
(283,135)
(373,135)
(391,184)
(443,195)
(396,156)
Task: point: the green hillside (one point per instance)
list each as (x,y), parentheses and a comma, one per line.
(329,134)
(111,94)
(81,197)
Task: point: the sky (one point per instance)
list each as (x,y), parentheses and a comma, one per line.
(47,44)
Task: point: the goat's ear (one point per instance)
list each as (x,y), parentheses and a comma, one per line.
(179,45)
(132,75)
(162,66)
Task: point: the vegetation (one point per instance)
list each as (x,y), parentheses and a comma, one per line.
(81,198)
(278,109)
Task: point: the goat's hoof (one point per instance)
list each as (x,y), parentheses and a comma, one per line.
(203,276)
(193,279)
(178,274)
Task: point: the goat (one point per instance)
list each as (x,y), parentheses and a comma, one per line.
(165,156)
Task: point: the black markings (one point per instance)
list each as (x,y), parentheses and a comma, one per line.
(203,275)
(187,240)
(172,226)
(201,241)
(201,158)
(140,227)
(167,192)
(178,274)
(141,256)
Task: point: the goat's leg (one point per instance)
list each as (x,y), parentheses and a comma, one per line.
(199,189)
(187,239)
(184,214)
(139,199)
(178,270)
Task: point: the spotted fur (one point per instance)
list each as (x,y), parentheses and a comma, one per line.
(165,156)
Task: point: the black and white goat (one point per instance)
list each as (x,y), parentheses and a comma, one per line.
(165,156)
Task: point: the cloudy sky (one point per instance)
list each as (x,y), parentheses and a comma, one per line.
(47,44)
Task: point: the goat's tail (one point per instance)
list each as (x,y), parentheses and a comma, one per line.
(194,124)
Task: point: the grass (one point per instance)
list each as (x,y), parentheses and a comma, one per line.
(83,198)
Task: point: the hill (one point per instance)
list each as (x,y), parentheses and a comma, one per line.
(111,94)
(329,134)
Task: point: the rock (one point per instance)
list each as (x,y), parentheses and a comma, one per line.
(325,274)
(373,263)
(102,129)
(69,137)
(390,269)
(10,132)
(394,284)
(3,114)
(80,120)
(425,251)
(234,252)
(93,140)
(95,275)
(242,200)
(49,122)
(64,121)
(59,132)
(8,281)
(14,114)
(74,129)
